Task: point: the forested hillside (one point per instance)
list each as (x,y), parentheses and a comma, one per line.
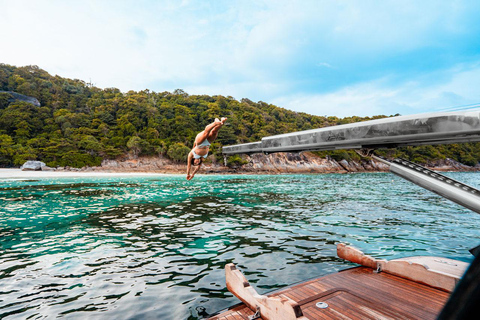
(78,124)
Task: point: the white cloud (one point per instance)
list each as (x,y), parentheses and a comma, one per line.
(460,88)
(324,64)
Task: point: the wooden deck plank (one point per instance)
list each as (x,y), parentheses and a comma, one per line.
(316,284)
(307,289)
(421,298)
(363,295)
(350,309)
(237,316)
(295,295)
(375,287)
(292,296)
(356,308)
(313,313)
(336,302)
(245,312)
(313,288)
(234,316)
(304,293)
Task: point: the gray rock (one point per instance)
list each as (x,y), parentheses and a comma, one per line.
(32,166)
(17,96)
(46,168)
(109,163)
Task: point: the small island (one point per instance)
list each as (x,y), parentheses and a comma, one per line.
(71,125)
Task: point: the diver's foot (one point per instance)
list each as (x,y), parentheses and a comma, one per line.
(217,121)
(223,120)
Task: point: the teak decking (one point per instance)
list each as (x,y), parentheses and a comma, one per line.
(359,293)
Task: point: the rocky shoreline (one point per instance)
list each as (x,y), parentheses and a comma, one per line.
(262,164)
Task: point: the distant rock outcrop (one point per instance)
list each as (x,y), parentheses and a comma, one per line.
(21,97)
(451,165)
(306,163)
(32,166)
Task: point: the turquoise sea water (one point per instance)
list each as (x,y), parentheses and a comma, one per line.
(155,247)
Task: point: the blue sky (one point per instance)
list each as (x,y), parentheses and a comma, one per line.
(321,57)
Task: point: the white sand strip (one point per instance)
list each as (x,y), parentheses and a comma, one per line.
(19,174)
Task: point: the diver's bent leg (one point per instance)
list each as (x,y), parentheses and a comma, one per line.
(212,136)
(202,136)
(214,133)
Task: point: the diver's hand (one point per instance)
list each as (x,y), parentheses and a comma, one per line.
(190,176)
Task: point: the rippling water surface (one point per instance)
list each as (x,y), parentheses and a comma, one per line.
(155,247)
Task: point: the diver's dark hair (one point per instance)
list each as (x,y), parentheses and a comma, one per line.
(192,162)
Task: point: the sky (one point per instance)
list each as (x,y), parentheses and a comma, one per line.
(334,58)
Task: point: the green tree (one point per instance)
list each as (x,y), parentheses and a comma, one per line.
(23,154)
(178,152)
(90,144)
(6,150)
(235,160)
(4,99)
(135,145)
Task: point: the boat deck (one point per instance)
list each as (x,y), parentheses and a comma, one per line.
(359,293)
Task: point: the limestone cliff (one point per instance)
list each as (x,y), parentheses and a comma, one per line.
(263,164)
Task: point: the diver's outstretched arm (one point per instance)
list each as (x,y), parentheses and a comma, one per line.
(189,165)
(195,170)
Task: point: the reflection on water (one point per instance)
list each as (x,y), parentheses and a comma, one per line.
(135,248)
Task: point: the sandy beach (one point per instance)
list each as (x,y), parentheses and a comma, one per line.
(19,174)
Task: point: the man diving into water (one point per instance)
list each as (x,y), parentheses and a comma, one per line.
(202,145)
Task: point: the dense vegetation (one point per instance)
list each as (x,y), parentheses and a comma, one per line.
(78,124)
